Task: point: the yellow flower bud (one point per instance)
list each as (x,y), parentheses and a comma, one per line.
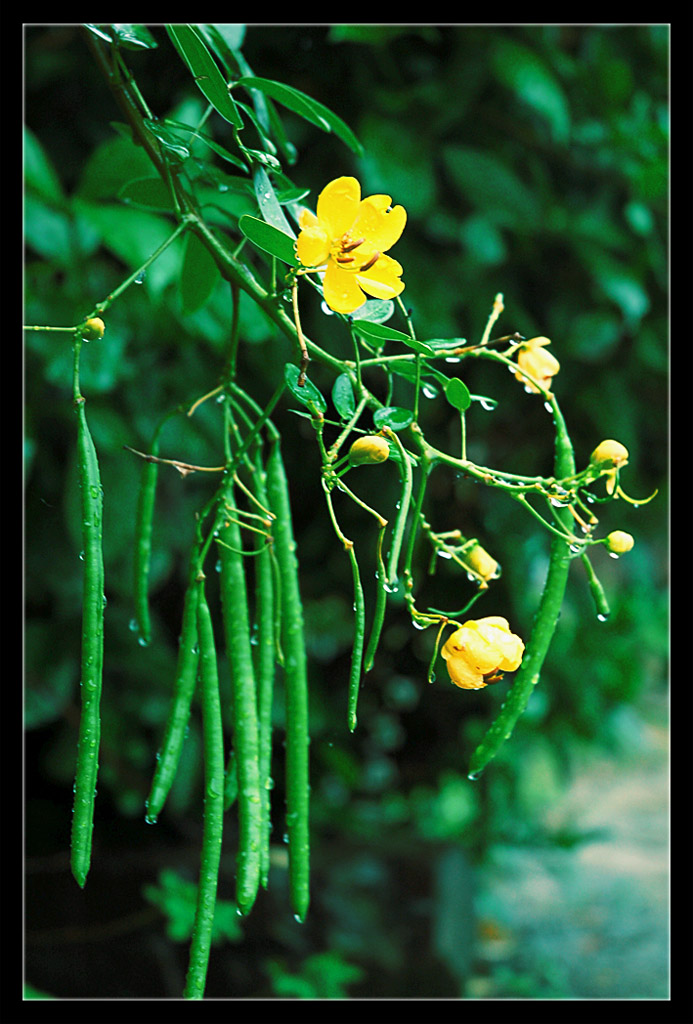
(480,562)
(480,650)
(609,452)
(537,362)
(368,450)
(93,329)
(608,457)
(618,542)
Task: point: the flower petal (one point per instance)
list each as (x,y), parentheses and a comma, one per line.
(338,205)
(306,218)
(340,289)
(313,246)
(464,675)
(382,281)
(508,648)
(381,227)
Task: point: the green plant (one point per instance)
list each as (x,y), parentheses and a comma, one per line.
(381,378)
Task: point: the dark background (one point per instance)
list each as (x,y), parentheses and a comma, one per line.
(532,160)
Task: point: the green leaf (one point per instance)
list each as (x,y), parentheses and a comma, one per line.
(168,140)
(133,235)
(269,239)
(192,133)
(394,417)
(190,45)
(307,393)
(376,311)
(268,203)
(39,174)
(56,235)
(152,193)
(457,394)
(305,106)
(111,165)
(526,75)
(100,33)
(427,373)
(379,334)
(343,396)
(133,37)
(487,183)
(199,274)
(176,897)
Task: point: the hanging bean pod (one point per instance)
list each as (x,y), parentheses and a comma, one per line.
(234,603)
(296,684)
(213,822)
(92,641)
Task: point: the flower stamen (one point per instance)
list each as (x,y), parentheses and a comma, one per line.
(347,246)
(371,262)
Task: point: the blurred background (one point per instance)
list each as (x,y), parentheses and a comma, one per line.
(532,161)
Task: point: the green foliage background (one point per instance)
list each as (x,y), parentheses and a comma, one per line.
(532,161)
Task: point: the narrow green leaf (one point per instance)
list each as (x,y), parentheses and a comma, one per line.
(133,37)
(99,32)
(307,393)
(168,139)
(269,239)
(379,333)
(199,274)
(295,100)
(305,106)
(268,203)
(190,45)
(457,394)
(343,396)
(214,146)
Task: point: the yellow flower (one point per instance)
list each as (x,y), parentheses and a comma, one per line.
(479,562)
(610,451)
(481,649)
(349,237)
(369,449)
(93,329)
(618,542)
(609,456)
(537,362)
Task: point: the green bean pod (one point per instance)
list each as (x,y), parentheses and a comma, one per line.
(545,620)
(213,824)
(380,607)
(265,661)
(92,644)
(234,603)
(296,684)
(143,541)
(179,712)
(359,633)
